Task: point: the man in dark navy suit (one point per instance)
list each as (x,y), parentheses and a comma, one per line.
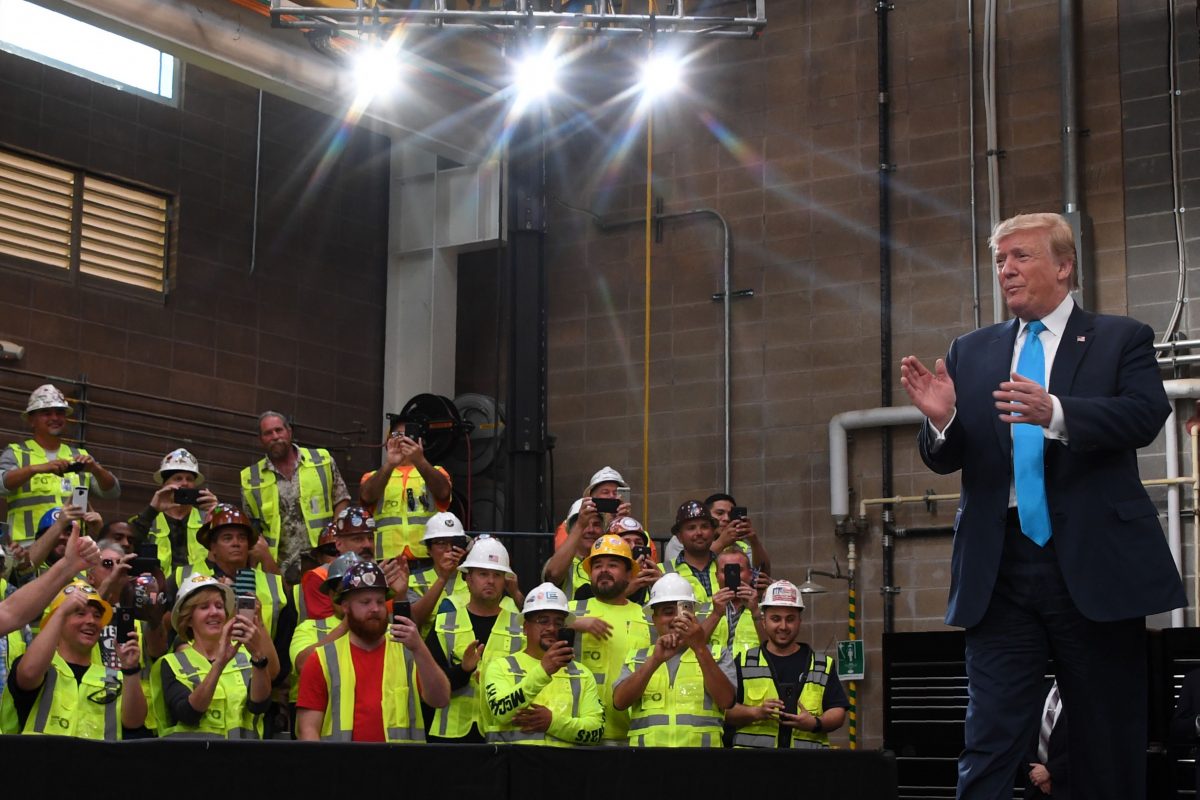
(1057,548)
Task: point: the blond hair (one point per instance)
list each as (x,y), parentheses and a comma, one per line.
(1058,231)
(183,619)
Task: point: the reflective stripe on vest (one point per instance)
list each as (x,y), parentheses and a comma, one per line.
(758,685)
(689,574)
(396,525)
(64,707)
(455,632)
(576,578)
(675,710)
(232,720)
(515,735)
(337,667)
(301,603)
(314,470)
(30,501)
(160,533)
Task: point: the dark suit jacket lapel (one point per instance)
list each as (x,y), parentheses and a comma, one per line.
(1000,353)
(1076,339)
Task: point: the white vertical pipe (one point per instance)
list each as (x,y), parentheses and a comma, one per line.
(1174,532)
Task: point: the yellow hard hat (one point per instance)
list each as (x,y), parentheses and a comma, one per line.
(610,545)
(93,597)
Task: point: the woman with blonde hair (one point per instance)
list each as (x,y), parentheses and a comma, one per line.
(218,685)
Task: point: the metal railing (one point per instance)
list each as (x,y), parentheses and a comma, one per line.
(130,431)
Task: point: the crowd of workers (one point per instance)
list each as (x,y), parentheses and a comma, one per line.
(299,611)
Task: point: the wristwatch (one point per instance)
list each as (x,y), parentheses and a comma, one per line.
(818,727)
(260,663)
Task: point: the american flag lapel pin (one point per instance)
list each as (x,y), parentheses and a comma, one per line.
(1081,338)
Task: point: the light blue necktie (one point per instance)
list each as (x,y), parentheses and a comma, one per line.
(1029,469)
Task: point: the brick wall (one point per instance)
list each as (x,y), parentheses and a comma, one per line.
(780,136)
(301,333)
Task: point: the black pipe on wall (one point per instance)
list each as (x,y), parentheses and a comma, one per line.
(882,9)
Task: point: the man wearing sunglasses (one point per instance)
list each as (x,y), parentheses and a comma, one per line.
(60,688)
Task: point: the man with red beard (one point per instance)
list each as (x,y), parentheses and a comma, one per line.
(341,695)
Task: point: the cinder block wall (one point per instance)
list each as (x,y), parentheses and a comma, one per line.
(300,332)
(780,136)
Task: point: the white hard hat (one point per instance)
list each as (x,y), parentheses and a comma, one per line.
(575,509)
(784,594)
(605,475)
(179,461)
(486,553)
(443,525)
(45,396)
(195,583)
(671,588)
(546,597)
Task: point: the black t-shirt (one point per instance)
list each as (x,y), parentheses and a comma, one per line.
(481,629)
(23,700)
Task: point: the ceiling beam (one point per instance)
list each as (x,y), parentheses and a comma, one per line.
(439,110)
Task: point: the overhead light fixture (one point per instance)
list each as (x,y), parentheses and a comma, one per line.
(377,68)
(535,76)
(810,586)
(662,74)
(10,351)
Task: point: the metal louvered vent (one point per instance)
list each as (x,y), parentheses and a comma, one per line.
(36,203)
(124,234)
(67,219)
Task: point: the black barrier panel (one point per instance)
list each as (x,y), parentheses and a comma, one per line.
(604,773)
(293,770)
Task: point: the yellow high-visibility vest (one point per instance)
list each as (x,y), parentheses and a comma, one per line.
(402,718)
(227,716)
(43,491)
(758,686)
(260,495)
(605,657)
(455,633)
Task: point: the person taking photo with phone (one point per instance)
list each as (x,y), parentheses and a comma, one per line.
(44,471)
(439,585)
(218,685)
(787,696)
(565,567)
(607,486)
(676,690)
(60,687)
(137,607)
(469,635)
(403,494)
(542,695)
(368,686)
(176,511)
(735,622)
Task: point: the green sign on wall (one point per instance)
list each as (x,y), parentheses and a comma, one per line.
(850,660)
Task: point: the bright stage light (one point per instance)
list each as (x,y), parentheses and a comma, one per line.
(661,75)
(535,77)
(377,69)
